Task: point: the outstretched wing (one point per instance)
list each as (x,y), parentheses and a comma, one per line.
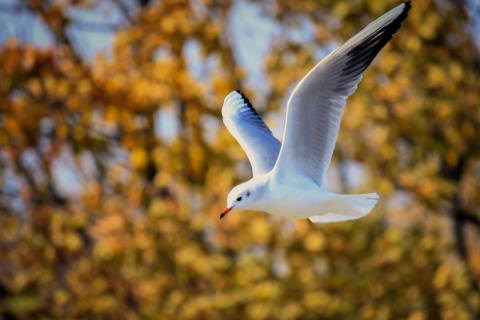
(251,132)
(316,105)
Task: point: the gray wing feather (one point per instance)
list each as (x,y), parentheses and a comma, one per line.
(316,105)
(248,128)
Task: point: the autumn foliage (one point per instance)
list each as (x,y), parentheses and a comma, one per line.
(114,169)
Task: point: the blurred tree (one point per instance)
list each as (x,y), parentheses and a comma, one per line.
(104,217)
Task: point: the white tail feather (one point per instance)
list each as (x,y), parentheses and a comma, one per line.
(347,207)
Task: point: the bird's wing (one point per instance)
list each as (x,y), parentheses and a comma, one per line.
(316,105)
(248,128)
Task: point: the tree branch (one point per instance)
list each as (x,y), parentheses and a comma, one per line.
(469,217)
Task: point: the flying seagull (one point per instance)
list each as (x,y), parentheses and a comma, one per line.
(288,178)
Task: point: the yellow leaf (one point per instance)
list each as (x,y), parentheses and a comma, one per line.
(417,316)
(72,241)
(436,75)
(441,276)
(455,71)
(260,229)
(314,241)
(139,158)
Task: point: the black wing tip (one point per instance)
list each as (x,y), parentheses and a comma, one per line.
(402,16)
(372,45)
(408,6)
(385,33)
(245,99)
(362,55)
(240,93)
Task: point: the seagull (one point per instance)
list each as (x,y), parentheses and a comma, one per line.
(288,178)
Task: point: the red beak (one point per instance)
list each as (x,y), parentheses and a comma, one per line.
(225,211)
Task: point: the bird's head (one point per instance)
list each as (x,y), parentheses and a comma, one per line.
(241,197)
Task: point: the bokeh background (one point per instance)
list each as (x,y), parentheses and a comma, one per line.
(115,165)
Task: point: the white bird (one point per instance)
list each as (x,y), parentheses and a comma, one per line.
(288,179)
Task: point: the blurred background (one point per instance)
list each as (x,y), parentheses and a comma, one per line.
(115,165)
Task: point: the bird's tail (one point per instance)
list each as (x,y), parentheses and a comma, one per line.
(341,207)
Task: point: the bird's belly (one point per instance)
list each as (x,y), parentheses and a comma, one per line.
(298,202)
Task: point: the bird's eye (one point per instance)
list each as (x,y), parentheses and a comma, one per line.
(239,198)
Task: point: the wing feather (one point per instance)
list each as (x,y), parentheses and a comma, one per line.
(248,128)
(316,105)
